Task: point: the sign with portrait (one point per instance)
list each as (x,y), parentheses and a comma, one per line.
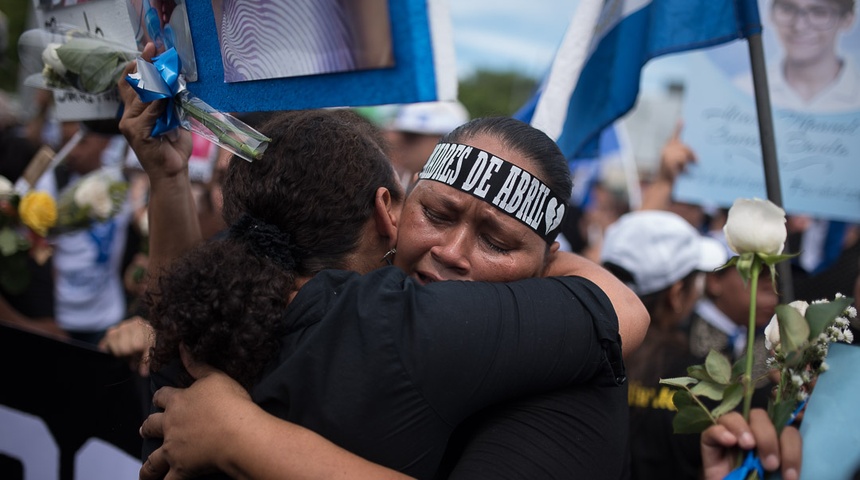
(812,50)
(261,55)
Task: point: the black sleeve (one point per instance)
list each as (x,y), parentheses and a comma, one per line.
(468,345)
(577,432)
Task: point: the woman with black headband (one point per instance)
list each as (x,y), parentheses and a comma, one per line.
(447,209)
(380,363)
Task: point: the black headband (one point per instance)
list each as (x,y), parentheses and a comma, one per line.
(509,188)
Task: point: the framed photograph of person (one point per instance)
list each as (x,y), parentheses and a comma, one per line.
(263,55)
(301,37)
(812,52)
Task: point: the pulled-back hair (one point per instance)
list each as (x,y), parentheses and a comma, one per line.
(299,209)
(317,181)
(530,142)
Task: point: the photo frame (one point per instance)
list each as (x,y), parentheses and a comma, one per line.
(424,68)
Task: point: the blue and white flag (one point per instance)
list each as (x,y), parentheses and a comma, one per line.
(595,75)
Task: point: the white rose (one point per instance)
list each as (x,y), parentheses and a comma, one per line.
(755,226)
(771,332)
(6,187)
(93,192)
(51,59)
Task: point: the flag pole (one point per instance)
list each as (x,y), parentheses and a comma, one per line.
(768,149)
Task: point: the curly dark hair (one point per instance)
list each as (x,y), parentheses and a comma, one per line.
(315,185)
(226,305)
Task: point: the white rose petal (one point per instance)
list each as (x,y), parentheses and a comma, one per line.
(6,187)
(800,306)
(51,59)
(771,334)
(755,226)
(93,192)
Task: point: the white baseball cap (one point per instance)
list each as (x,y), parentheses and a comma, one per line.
(429,118)
(658,248)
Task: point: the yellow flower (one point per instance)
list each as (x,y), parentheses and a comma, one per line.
(38,211)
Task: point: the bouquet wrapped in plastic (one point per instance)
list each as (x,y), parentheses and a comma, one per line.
(63,57)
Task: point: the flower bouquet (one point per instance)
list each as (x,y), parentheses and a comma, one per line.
(69,59)
(24,224)
(96,197)
(798,337)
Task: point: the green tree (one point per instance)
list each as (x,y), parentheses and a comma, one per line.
(488,92)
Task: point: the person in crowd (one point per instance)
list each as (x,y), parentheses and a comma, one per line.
(88,290)
(262,446)
(721,316)
(491,241)
(664,260)
(177,315)
(32,308)
(415,130)
(813,75)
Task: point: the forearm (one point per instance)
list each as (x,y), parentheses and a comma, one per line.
(276,449)
(633,319)
(173,225)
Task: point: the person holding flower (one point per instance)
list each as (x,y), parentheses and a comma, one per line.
(89,240)
(664,260)
(167,205)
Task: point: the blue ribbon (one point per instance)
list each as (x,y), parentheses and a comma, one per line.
(168,66)
(751,462)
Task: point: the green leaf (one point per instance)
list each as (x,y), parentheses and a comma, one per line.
(793,328)
(745,265)
(822,315)
(739,368)
(682,398)
(712,390)
(732,262)
(8,242)
(679,382)
(699,372)
(780,413)
(691,419)
(731,398)
(771,260)
(718,367)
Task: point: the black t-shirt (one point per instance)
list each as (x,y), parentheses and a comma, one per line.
(576,432)
(387,368)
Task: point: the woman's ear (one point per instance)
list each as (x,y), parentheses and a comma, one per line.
(675,296)
(386,215)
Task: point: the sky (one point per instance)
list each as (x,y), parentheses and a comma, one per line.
(523,35)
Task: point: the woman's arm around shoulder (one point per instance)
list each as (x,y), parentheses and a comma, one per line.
(633,319)
(215,426)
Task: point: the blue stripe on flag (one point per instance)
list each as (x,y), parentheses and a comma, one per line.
(609,82)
